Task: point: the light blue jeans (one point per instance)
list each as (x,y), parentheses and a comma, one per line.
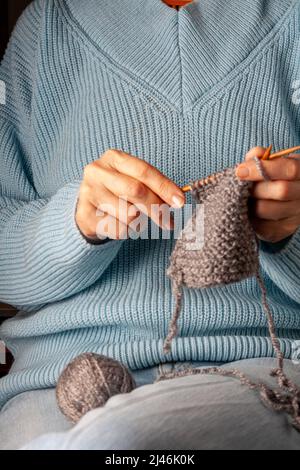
(190,413)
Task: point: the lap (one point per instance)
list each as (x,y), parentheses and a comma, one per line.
(28,416)
(33,414)
(194,412)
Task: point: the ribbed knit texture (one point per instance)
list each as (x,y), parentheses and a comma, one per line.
(190,92)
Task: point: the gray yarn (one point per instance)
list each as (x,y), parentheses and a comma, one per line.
(88,382)
(230,253)
(260,169)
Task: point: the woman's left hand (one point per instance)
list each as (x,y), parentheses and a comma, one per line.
(276,203)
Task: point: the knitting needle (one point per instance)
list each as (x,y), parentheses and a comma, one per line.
(283,153)
(204,181)
(267,156)
(267,153)
(187,188)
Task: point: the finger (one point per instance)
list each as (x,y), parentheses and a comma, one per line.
(147,174)
(131,190)
(110,227)
(277,190)
(88,220)
(122,210)
(275,210)
(255,152)
(271,231)
(296,156)
(287,169)
(105,201)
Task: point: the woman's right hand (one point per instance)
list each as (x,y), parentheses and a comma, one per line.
(118,176)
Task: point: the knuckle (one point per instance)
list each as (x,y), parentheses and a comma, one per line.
(283,190)
(123,162)
(119,157)
(110,155)
(136,190)
(292,169)
(104,156)
(164,188)
(144,172)
(89,170)
(260,209)
(114,153)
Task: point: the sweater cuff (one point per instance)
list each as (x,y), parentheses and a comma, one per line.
(278,252)
(268,247)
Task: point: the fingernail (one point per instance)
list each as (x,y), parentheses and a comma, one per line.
(242,172)
(178,202)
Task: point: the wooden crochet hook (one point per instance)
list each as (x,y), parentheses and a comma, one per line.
(267,156)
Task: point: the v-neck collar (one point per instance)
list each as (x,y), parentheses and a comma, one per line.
(181,54)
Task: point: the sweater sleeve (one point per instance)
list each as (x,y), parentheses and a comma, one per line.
(281,262)
(43,256)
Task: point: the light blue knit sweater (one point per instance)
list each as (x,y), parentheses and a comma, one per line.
(190,92)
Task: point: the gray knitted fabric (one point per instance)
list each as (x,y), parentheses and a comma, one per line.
(229,253)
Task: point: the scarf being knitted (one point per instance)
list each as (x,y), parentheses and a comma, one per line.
(230,253)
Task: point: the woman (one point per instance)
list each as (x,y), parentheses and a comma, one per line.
(130,100)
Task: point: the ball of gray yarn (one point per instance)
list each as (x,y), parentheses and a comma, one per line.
(88,382)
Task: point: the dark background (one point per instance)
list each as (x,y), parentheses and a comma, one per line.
(10,10)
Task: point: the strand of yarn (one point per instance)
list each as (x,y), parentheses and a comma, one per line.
(173,327)
(274,399)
